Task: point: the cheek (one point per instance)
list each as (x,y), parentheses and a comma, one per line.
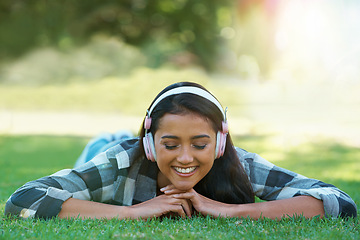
(207,158)
(162,153)
(163,157)
(209,153)
(209,163)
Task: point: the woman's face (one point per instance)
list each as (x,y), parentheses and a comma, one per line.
(185,148)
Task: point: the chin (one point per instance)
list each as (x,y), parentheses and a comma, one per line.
(184,187)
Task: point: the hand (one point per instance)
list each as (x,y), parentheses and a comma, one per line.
(170,190)
(301,205)
(200,203)
(160,206)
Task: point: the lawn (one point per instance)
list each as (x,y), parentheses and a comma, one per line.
(24,158)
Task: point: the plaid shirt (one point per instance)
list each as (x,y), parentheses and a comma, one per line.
(120,176)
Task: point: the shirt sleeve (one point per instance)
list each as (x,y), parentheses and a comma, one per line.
(271,182)
(44,197)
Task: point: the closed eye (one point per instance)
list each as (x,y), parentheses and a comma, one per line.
(199,147)
(170,147)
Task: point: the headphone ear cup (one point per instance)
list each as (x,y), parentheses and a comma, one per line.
(220,144)
(149,147)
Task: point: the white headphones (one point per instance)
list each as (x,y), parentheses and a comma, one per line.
(148,140)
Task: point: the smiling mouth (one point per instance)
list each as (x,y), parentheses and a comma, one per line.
(185,170)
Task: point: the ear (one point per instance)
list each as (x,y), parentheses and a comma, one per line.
(220,144)
(149,147)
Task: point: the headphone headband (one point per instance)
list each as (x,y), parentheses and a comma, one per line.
(193,90)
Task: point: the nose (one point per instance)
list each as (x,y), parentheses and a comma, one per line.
(185,156)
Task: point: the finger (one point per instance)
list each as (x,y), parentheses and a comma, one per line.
(183,207)
(178,208)
(185,195)
(187,207)
(166,188)
(173,191)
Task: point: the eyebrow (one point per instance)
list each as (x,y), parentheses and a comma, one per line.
(195,137)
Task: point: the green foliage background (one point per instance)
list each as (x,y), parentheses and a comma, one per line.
(161,28)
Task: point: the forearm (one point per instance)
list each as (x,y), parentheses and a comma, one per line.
(88,209)
(302,205)
(154,207)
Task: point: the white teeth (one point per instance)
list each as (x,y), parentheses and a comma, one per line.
(185,170)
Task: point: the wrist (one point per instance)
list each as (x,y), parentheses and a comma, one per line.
(241,210)
(124,212)
(228,210)
(130,212)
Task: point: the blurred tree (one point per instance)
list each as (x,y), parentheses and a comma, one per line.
(162,28)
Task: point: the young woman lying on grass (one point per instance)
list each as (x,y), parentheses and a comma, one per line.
(182,163)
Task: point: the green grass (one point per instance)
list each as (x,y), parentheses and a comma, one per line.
(195,228)
(25,158)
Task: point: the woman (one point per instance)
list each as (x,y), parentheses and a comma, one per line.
(183,163)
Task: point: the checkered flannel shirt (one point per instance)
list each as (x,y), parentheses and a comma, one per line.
(119,177)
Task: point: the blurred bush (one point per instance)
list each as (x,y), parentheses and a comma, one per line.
(100,58)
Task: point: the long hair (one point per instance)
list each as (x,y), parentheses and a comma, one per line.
(226,181)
